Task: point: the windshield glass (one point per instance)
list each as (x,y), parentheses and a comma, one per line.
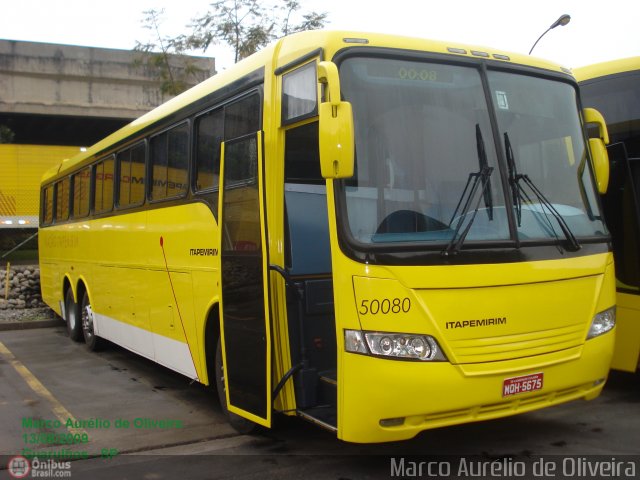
(423,134)
(427,168)
(538,121)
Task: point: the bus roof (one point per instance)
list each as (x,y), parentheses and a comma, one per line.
(611,67)
(281,53)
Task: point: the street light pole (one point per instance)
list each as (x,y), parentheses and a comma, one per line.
(561,21)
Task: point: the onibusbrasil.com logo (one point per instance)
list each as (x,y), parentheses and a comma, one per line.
(20,467)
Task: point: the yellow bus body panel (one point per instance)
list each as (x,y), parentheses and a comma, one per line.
(123,266)
(607,68)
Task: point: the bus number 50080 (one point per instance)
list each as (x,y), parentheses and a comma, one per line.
(385,306)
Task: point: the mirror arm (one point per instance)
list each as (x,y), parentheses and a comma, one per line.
(328,75)
(591,115)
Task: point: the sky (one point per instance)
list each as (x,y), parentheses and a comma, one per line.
(599,30)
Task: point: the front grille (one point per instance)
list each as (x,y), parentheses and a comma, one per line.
(492,349)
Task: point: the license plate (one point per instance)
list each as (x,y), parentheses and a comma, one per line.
(524,384)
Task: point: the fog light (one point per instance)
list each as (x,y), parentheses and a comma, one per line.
(391,422)
(602,322)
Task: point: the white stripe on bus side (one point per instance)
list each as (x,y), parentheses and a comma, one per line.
(166,351)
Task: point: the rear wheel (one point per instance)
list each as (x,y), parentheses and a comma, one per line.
(240,424)
(72,317)
(86,314)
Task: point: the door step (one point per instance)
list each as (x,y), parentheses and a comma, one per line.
(325,417)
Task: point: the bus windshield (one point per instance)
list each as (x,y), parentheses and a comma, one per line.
(427,161)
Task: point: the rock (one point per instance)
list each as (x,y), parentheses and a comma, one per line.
(24,289)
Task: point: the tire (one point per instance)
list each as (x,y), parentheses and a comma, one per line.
(239,424)
(94,343)
(72,317)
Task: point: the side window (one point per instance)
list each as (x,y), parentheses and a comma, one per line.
(47,204)
(210,133)
(241,160)
(81,187)
(170,160)
(103,194)
(62,200)
(242,117)
(299,94)
(302,155)
(131,180)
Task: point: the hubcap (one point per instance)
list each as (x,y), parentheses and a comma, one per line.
(87,321)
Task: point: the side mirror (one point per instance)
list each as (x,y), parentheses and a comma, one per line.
(336,127)
(599,154)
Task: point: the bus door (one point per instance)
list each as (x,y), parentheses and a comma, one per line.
(245,323)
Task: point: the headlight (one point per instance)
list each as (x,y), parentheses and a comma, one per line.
(602,322)
(394,345)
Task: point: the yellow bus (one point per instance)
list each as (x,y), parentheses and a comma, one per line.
(614,89)
(378,234)
(22,167)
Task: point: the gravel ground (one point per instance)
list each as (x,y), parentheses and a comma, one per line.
(27,315)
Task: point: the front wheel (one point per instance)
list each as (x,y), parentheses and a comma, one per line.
(74,325)
(240,424)
(93,342)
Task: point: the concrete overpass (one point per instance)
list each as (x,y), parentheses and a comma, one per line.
(71,95)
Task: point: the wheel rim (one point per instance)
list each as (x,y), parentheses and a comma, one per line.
(87,322)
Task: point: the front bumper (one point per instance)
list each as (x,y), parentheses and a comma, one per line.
(409,397)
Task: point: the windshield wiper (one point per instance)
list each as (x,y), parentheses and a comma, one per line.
(513,174)
(482,161)
(473,182)
(519,194)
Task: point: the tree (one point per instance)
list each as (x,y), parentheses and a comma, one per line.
(6,134)
(248,25)
(171,63)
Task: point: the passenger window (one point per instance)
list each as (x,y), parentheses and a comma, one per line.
(210,133)
(81,187)
(242,117)
(62,200)
(131,182)
(170,160)
(299,94)
(103,198)
(47,218)
(241,162)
